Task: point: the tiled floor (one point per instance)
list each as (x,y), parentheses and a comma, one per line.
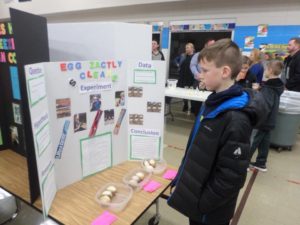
(275,195)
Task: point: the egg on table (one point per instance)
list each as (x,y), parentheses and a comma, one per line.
(152,162)
(136,178)
(107,193)
(140,175)
(104,199)
(133,183)
(112,189)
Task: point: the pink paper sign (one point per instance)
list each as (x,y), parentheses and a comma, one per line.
(170,174)
(152,186)
(106,218)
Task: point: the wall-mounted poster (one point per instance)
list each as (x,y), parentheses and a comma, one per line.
(262,30)
(249,42)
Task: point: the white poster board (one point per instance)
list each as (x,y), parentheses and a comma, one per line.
(40,122)
(146,86)
(90,116)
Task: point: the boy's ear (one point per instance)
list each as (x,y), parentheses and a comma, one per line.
(226,72)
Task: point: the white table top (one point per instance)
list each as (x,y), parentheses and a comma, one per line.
(190,94)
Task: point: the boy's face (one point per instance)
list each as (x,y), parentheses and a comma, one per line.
(213,77)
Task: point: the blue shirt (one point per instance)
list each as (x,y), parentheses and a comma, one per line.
(258,70)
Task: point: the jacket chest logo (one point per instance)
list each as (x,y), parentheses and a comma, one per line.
(238,152)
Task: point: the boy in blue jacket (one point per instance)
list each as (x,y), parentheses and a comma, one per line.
(215,163)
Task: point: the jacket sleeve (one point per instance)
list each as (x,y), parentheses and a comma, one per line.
(230,170)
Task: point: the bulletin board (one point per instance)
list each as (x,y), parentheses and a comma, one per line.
(273,35)
(87,116)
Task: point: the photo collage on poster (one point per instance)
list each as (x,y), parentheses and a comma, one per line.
(63,110)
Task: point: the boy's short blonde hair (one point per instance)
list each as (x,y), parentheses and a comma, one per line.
(276,66)
(223,52)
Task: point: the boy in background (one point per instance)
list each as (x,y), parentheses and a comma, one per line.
(271,90)
(245,78)
(215,163)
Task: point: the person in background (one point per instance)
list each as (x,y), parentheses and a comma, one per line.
(214,167)
(186,79)
(245,78)
(291,72)
(196,70)
(156,53)
(256,67)
(271,91)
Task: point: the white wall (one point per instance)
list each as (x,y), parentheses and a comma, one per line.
(274,12)
(43,7)
(245,13)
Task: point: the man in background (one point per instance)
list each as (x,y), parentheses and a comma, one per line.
(291,72)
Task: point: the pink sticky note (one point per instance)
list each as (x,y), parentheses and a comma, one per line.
(170,174)
(106,218)
(152,186)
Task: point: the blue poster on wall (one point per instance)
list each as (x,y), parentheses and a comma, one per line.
(15,86)
(275,35)
(165,38)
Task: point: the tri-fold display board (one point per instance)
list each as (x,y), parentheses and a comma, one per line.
(90,115)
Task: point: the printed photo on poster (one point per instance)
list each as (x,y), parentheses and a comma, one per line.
(109,116)
(79,122)
(17,113)
(135,92)
(120,98)
(153,106)
(14,135)
(249,42)
(119,121)
(63,107)
(94,127)
(262,30)
(95,102)
(136,119)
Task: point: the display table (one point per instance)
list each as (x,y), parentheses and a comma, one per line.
(75,204)
(184,93)
(14,174)
(189,94)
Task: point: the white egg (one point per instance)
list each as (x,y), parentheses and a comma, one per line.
(136,178)
(133,183)
(107,193)
(146,163)
(140,175)
(112,189)
(105,199)
(149,168)
(152,162)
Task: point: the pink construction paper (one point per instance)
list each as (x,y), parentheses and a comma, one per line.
(152,186)
(106,218)
(170,174)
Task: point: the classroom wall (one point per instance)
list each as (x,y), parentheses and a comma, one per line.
(43,7)
(245,13)
(253,12)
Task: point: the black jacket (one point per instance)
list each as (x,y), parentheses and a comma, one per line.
(292,72)
(271,90)
(215,164)
(186,77)
(248,81)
